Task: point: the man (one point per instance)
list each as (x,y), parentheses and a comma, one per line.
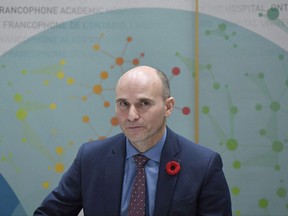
(182,178)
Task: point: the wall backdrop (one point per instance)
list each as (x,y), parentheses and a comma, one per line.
(59,62)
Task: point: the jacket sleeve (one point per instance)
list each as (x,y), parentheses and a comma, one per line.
(65,199)
(215,196)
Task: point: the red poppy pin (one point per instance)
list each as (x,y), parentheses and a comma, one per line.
(173,168)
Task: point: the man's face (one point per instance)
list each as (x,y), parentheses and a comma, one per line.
(140,108)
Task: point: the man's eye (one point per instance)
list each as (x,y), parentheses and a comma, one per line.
(123,103)
(144,103)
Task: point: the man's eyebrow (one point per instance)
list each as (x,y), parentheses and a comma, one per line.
(145,99)
(120,99)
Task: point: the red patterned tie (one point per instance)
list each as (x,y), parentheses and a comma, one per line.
(137,200)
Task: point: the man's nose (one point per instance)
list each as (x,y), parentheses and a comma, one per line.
(133,114)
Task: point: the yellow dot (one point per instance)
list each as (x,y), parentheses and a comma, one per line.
(59,150)
(70,81)
(104,75)
(45,185)
(53,106)
(62,62)
(21,114)
(59,168)
(49,167)
(54,131)
(70,143)
(84,98)
(60,75)
(46,82)
(18,97)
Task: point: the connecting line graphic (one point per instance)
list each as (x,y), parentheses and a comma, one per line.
(221,31)
(273,15)
(119,60)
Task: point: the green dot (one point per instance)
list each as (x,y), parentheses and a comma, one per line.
(281,57)
(208,32)
(24,72)
(205,110)
(235,191)
(208,66)
(277,146)
(260,75)
(281,192)
(263,203)
(21,114)
(275,106)
(222,27)
(258,107)
(273,13)
(236,164)
(234,110)
(3,158)
(226,37)
(237,213)
(18,97)
(262,132)
(216,86)
(277,167)
(232,144)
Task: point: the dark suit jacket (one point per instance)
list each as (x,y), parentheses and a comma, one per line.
(94,181)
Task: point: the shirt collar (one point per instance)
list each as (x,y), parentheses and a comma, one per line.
(153,154)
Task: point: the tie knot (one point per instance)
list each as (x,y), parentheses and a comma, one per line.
(140,160)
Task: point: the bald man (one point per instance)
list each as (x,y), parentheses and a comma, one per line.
(181,178)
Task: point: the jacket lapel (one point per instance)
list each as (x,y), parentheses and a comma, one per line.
(114,171)
(166,182)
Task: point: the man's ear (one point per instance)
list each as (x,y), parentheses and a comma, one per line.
(169,105)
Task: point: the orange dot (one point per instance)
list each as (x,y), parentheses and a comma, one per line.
(96,47)
(97,89)
(114,121)
(129,39)
(59,168)
(135,61)
(86,119)
(104,75)
(119,61)
(102,138)
(106,104)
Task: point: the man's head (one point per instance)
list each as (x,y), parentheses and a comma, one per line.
(143,103)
